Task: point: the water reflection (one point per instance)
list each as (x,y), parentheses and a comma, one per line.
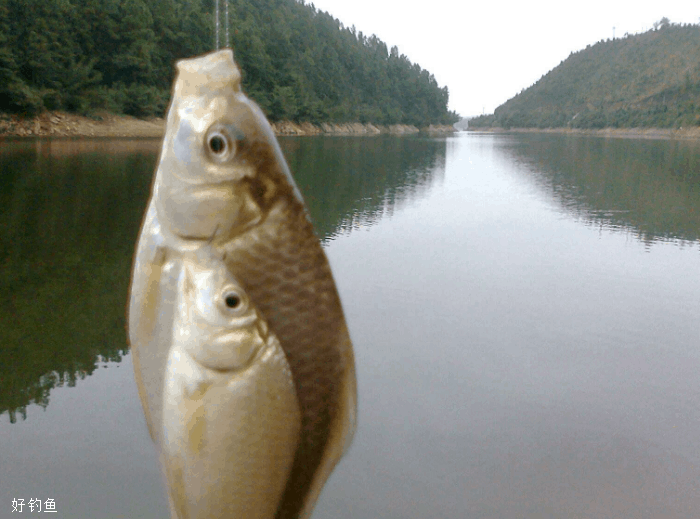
(70,212)
(648,189)
(350,183)
(511,363)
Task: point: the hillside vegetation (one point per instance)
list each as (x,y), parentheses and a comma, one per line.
(646,80)
(298,63)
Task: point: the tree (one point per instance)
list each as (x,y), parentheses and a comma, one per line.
(663,23)
(297,62)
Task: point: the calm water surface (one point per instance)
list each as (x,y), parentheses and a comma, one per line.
(524,311)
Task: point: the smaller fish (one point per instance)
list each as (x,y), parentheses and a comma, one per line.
(231,419)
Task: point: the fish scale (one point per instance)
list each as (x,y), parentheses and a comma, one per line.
(303,308)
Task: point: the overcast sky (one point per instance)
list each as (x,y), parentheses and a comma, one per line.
(486,51)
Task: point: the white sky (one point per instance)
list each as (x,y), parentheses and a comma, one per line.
(486,51)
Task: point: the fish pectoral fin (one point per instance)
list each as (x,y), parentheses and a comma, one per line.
(145,292)
(174,469)
(195,427)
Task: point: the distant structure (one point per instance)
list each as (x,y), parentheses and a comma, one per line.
(462,124)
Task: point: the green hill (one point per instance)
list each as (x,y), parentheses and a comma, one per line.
(645,80)
(117,55)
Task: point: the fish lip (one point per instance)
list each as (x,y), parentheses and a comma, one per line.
(192,185)
(248,320)
(196,241)
(205,238)
(256,353)
(245,320)
(197,211)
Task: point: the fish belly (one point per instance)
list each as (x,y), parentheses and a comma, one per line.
(229,440)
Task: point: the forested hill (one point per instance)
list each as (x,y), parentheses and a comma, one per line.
(118,55)
(646,80)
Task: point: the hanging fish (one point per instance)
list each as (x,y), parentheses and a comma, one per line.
(231,417)
(222,180)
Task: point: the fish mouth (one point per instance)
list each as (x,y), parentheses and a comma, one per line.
(198,213)
(234,350)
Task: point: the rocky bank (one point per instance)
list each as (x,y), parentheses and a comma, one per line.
(690,133)
(61,124)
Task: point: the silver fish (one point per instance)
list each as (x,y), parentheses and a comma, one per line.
(223,180)
(231,418)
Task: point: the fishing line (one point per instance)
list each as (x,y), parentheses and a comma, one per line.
(217,46)
(226,4)
(216,24)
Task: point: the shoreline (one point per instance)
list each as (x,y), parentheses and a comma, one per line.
(63,124)
(692,133)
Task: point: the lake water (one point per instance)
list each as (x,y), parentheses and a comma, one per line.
(524,310)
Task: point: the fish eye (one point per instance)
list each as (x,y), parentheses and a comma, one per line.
(232,300)
(217,144)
